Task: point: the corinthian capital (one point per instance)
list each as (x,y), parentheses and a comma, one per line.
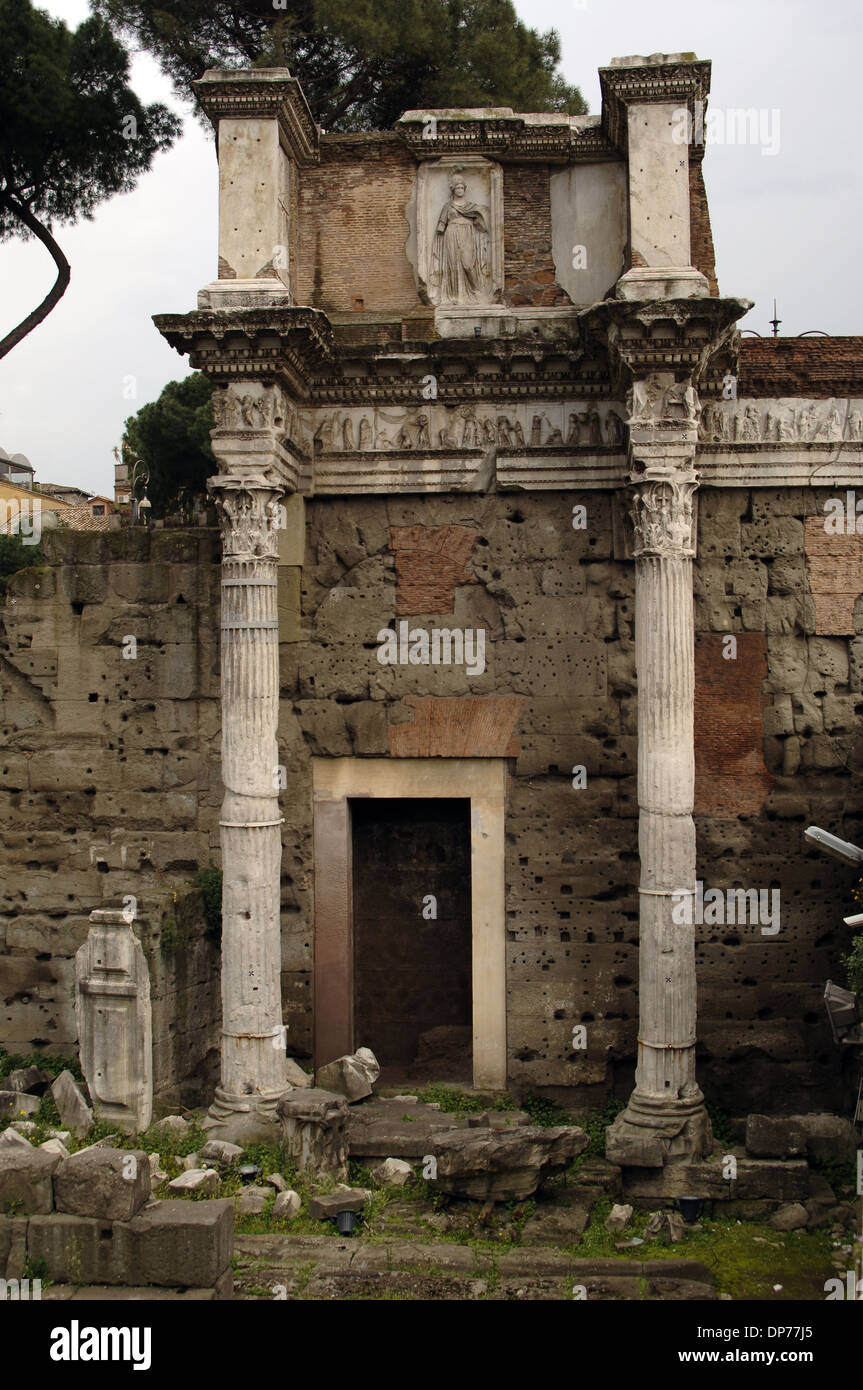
(662,515)
(249,515)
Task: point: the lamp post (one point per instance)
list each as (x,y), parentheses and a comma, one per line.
(140,474)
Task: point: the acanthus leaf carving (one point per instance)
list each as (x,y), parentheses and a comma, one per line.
(662,516)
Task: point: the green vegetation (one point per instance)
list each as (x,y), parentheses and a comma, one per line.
(209,881)
(15,555)
(361,64)
(72,132)
(171,436)
(748,1259)
(546,1112)
(456,1102)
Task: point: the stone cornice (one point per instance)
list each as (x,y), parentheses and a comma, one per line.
(283,345)
(268,93)
(664,335)
(502,134)
(681,78)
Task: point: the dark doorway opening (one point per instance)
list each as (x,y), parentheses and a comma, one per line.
(413,998)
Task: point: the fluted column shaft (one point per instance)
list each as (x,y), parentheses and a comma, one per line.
(253,1053)
(665,1119)
(664,654)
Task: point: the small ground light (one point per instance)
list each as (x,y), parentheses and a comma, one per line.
(249,1171)
(346,1222)
(690,1208)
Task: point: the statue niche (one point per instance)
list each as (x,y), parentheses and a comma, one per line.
(459,232)
(461,254)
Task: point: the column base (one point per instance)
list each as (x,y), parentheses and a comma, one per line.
(245,1119)
(652,1132)
(662,282)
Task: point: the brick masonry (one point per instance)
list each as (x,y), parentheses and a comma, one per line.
(430,562)
(730,776)
(528,265)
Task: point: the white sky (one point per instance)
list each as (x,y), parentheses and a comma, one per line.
(787,225)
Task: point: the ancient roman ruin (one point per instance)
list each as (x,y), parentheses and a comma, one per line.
(524,624)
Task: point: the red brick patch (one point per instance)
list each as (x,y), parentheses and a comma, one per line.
(731,778)
(465,726)
(431,561)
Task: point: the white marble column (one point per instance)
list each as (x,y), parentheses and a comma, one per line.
(665,1119)
(253,1051)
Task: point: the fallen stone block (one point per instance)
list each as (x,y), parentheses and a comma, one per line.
(190,1161)
(295,1076)
(26,1179)
(498,1119)
(55,1146)
(329,1204)
(829,1138)
(18,1104)
(13,1246)
(171,1127)
(774,1136)
(196,1180)
(314,1130)
(275,1180)
(793,1217)
(394,1171)
(32,1079)
(12,1139)
(25,1127)
(618,1219)
(497,1166)
(109,1183)
(64,1135)
(69,1099)
(784,1180)
(352,1076)
(250,1201)
(221,1152)
(169,1244)
(287,1205)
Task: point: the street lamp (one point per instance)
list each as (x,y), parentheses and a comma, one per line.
(140,474)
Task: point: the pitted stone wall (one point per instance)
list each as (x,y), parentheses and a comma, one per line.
(109,781)
(120,794)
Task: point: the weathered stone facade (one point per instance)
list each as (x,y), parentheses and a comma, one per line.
(473,465)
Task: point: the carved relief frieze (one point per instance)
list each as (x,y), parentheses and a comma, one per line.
(782,421)
(543,425)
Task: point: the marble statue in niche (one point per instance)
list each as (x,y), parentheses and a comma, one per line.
(461,251)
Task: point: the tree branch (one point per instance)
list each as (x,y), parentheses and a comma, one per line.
(58,289)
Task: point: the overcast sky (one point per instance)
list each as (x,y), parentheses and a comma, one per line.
(786,224)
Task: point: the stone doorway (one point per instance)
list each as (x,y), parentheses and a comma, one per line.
(339,784)
(412,936)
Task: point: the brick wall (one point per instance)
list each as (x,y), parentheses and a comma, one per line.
(815,367)
(352,227)
(529,276)
(700,231)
